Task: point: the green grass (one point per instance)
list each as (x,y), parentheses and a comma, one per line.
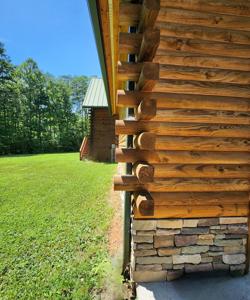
(54,216)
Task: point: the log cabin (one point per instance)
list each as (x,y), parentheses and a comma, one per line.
(178,76)
(100,144)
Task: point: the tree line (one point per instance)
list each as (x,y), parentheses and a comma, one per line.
(39,112)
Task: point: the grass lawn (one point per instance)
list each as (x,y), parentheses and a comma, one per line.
(54,216)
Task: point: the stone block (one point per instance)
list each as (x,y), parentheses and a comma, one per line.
(149,276)
(206,259)
(144,246)
(216,248)
(234,259)
(233,220)
(167,266)
(194,249)
(144,224)
(208,222)
(220,266)
(227,242)
(178,267)
(185,240)
(218,231)
(167,231)
(205,239)
(235,249)
(213,254)
(145,232)
(215,227)
(238,270)
(220,236)
(198,268)
(142,239)
(190,223)
(192,259)
(169,224)
(205,242)
(217,259)
(237,229)
(206,236)
(163,241)
(235,236)
(144,252)
(149,267)
(168,251)
(197,230)
(149,260)
(174,274)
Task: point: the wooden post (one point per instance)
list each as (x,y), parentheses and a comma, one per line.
(150,11)
(148,77)
(144,172)
(149,45)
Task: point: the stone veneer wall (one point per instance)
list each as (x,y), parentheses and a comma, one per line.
(166,249)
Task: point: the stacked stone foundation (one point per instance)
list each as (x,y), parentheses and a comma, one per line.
(167,249)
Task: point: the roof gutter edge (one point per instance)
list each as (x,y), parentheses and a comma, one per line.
(96,25)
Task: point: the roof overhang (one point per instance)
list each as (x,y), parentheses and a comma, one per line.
(104,14)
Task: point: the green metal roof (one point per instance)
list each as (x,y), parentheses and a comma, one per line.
(96,94)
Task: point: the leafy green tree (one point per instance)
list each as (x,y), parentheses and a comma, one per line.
(38,112)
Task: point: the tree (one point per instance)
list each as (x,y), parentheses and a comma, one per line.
(38,112)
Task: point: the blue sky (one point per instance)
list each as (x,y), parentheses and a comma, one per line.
(57,34)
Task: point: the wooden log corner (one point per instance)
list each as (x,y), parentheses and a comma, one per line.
(149,76)
(144,172)
(146,110)
(145,141)
(144,203)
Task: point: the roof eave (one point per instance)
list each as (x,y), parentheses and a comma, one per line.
(93,6)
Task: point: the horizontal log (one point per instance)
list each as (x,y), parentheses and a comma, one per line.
(145,205)
(148,77)
(146,110)
(203,61)
(129,71)
(131,183)
(201,116)
(201,88)
(149,45)
(182,157)
(201,171)
(129,43)
(143,171)
(192,143)
(129,14)
(168,101)
(162,212)
(205,19)
(208,198)
(201,33)
(131,127)
(150,11)
(202,47)
(145,140)
(230,7)
(204,74)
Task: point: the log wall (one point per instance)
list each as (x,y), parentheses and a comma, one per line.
(191,125)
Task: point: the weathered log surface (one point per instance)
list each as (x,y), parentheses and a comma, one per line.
(192,107)
(179,157)
(182,129)
(131,183)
